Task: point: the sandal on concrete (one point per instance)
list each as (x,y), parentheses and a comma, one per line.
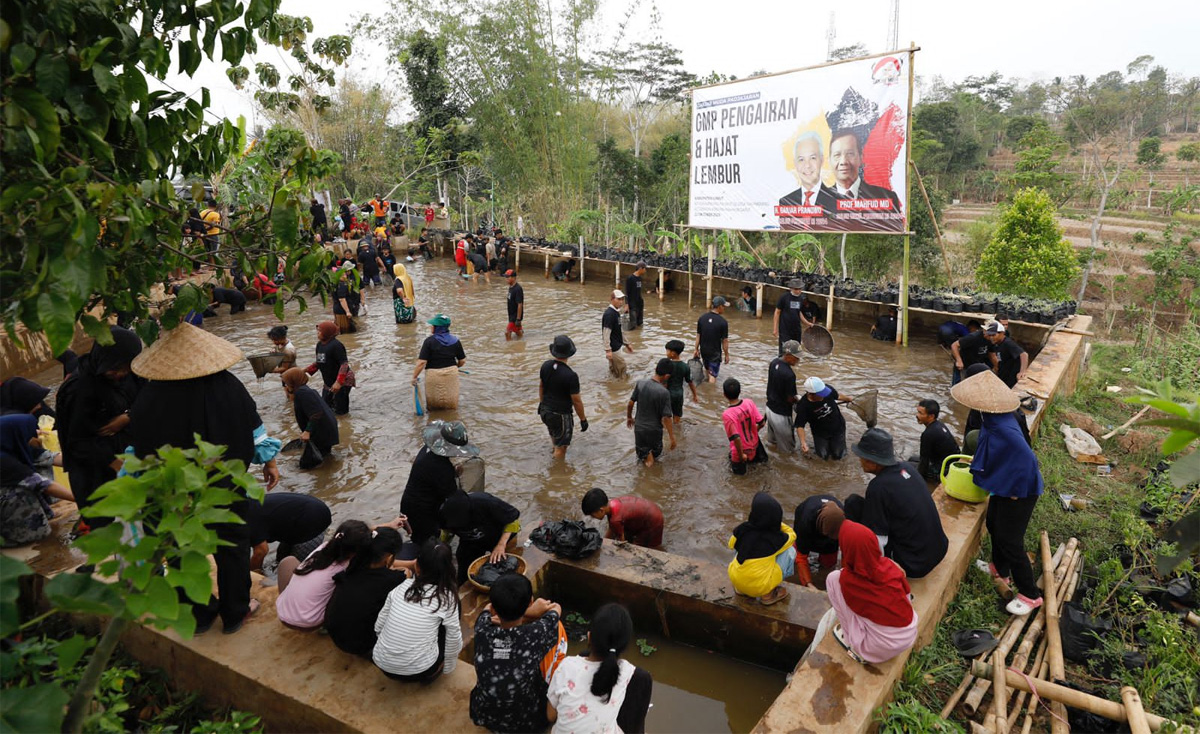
(254,607)
(1023,605)
(840,636)
(777,594)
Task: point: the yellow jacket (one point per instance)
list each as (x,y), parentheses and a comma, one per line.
(758,576)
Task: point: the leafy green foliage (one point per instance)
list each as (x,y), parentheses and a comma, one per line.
(1028,254)
(88,214)
(1039,154)
(1149,152)
(903,718)
(1188,152)
(165,507)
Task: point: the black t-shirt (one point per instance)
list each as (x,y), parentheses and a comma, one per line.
(808,538)
(824,415)
(430,482)
(898,505)
(342,292)
(230,296)
(781,387)
(439,356)
(937,442)
(488,517)
(633,290)
(315,416)
(288,517)
(357,599)
(612,322)
(516,297)
(885,327)
(318,214)
(366,257)
(330,357)
(559,383)
(713,330)
(1009,352)
(790,326)
(974,348)
(811,311)
(561,267)
(344,210)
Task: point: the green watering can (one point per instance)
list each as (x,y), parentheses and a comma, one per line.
(956,478)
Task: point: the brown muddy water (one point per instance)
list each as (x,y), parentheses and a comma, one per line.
(701,500)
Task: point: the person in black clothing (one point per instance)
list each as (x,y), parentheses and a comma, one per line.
(484,525)
(516,306)
(937,442)
(816,523)
(1011,358)
(562,269)
(884,329)
(712,338)
(360,591)
(334,365)
(296,521)
(610,329)
(314,416)
(810,310)
(347,217)
(433,477)
(235,298)
(782,397)
(819,409)
(974,420)
(441,349)
(558,396)
(93,406)
(320,224)
(747,302)
(368,258)
(346,301)
(898,507)
(790,322)
(634,296)
(20,395)
(174,407)
(974,348)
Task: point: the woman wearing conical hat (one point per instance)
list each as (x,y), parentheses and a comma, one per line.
(190,391)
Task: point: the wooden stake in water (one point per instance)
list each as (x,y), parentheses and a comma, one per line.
(712,254)
(582,259)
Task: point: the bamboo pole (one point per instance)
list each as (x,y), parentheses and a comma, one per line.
(1040,670)
(1135,714)
(758,301)
(1069,696)
(708,296)
(905,277)
(661,279)
(547,265)
(582,260)
(1011,631)
(829,310)
(936,229)
(689,275)
(1058,723)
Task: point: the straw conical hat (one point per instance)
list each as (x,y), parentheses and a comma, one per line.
(184,353)
(986,393)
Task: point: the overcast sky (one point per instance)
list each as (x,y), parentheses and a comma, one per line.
(1028,39)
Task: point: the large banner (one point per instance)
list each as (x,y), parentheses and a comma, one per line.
(815,150)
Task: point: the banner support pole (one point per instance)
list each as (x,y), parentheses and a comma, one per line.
(712,254)
(902,332)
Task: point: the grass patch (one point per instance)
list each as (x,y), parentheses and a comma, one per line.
(1148,647)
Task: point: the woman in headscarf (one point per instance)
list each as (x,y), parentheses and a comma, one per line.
(869,594)
(403,298)
(334,365)
(765,554)
(1006,467)
(20,449)
(344,306)
(433,478)
(442,354)
(314,417)
(94,421)
(24,510)
(484,525)
(19,395)
(191,392)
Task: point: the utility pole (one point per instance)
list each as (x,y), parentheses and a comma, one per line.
(893,27)
(830,37)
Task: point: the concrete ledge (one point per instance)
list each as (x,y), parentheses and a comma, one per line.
(1055,372)
(829,691)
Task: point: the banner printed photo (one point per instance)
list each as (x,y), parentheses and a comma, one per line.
(816,150)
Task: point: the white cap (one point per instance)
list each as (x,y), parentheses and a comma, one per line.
(994,327)
(618,294)
(814,384)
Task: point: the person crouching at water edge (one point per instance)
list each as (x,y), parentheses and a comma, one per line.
(440,357)
(653,402)
(404,299)
(765,552)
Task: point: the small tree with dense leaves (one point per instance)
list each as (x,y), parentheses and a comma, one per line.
(1028,255)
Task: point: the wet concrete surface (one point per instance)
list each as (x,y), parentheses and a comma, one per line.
(700,498)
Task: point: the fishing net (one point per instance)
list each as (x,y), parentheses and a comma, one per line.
(865,406)
(817,341)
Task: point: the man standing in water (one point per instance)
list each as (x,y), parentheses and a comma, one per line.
(516,306)
(782,398)
(712,338)
(653,402)
(610,329)
(633,295)
(790,320)
(558,394)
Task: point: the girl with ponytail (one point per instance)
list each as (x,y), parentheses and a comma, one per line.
(304,589)
(587,694)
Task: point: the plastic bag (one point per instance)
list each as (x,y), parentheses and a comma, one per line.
(1079,442)
(1080,632)
(567,538)
(312,456)
(697,368)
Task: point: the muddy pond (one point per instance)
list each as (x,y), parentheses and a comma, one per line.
(701,499)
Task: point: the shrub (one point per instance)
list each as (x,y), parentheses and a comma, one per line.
(1189,152)
(1028,255)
